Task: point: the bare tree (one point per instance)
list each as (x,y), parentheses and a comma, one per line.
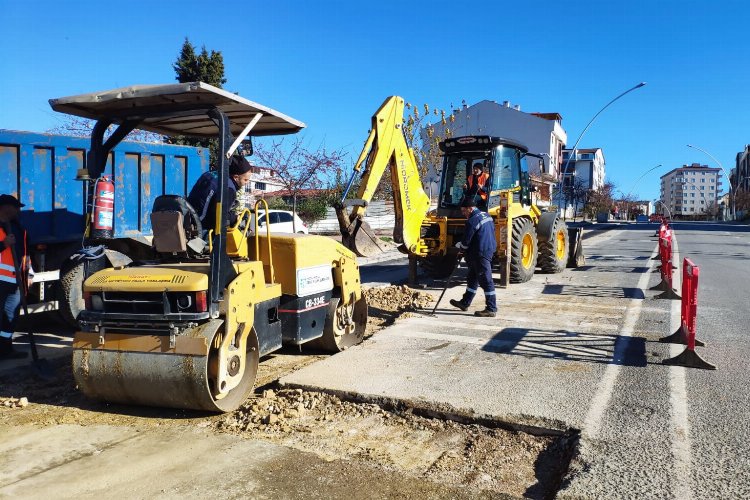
(77,126)
(298,167)
(600,200)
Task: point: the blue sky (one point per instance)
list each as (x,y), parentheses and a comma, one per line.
(331,64)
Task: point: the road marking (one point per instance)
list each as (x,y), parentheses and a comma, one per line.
(603,393)
(678,403)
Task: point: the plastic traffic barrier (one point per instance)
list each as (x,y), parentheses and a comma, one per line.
(666,268)
(685,334)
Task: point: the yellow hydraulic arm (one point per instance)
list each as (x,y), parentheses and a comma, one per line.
(385,146)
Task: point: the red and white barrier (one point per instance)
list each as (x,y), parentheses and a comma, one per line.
(666,269)
(685,334)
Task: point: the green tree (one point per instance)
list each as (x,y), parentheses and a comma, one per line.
(204,67)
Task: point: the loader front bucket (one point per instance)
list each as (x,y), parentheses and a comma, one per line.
(357,235)
(576,258)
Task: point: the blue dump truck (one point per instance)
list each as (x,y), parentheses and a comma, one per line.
(49,174)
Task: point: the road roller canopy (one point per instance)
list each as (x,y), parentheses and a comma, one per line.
(178,109)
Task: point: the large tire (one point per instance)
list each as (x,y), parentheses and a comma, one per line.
(72,275)
(72,303)
(523,251)
(554,250)
(439,267)
(344,326)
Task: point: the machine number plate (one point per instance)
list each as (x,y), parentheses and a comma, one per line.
(315,302)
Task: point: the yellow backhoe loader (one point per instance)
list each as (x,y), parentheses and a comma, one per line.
(527,237)
(187,329)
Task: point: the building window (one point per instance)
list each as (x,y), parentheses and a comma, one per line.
(261,186)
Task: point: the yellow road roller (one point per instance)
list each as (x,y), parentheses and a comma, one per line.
(186,328)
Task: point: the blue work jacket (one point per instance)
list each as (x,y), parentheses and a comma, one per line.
(204,195)
(479,236)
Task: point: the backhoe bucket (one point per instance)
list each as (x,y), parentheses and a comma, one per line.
(575,255)
(357,235)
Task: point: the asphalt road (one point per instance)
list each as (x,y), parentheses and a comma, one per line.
(580,351)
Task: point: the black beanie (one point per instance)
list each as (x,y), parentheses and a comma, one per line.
(238,165)
(469,202)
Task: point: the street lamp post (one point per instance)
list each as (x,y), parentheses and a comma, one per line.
(627,197)
(731,191)
(575,146)
(669,213)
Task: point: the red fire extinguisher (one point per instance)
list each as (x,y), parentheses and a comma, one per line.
(104,208)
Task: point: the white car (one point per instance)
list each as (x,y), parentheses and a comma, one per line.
(280,220)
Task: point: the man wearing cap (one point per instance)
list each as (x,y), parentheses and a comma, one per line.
(476,185)
(203,197)
(12,236)
(479,247)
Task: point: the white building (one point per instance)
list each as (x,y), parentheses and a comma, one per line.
(262,180)
(690,190)
(542,133)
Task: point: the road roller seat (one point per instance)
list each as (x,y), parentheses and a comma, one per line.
(176,226)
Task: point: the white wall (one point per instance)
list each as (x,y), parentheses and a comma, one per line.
(491,118)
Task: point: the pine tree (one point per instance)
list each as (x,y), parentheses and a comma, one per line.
(204,67)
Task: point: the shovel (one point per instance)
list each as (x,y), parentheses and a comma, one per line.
(41,367)
(447,284)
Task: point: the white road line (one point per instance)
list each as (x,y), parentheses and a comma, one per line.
(603,393)
(678,404)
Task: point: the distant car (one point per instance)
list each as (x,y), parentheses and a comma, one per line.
(641,218)
(281,222)
(655,218)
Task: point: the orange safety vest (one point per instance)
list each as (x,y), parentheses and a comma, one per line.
(7,266)
(482,182)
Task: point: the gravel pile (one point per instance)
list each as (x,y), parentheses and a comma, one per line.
(397,298)
(14,402)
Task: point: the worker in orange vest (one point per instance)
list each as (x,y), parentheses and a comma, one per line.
(476,186)
(11,285)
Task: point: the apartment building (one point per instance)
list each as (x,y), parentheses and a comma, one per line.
(741,174)
(690,190)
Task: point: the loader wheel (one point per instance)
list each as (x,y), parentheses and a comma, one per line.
(344,327)
(523,252)
(553,253)
(439,267)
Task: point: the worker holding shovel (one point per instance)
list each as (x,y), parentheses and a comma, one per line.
(479,247)
(12,246)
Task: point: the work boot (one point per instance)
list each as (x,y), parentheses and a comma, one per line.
(459,304)
(485,314)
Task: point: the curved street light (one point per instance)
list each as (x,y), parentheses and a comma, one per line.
(669,213)
(627,197)
(575,146)
(731,191)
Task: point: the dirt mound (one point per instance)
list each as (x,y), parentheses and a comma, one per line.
(397,298)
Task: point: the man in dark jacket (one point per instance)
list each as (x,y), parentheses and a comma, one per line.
(204,195)
(479,247)
(12,237)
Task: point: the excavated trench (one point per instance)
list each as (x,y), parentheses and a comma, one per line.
(482,457)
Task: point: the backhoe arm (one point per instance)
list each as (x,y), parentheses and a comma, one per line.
(385,146)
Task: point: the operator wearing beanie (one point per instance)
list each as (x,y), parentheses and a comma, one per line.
(203,195)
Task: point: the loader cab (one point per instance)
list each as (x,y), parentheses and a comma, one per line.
(503,160)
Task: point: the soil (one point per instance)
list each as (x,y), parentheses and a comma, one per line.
(485,461)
